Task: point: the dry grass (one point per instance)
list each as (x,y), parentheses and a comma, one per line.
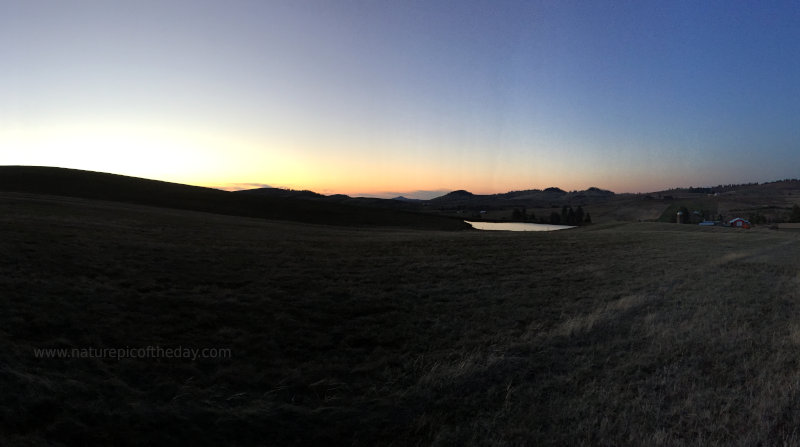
(613,334)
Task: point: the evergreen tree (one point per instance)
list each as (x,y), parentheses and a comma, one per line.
(795,217)
(579,215)
(570,216)
(555,219)
(588,219)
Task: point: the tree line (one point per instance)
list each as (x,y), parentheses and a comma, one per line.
(568,216)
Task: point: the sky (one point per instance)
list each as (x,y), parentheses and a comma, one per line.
(405,97)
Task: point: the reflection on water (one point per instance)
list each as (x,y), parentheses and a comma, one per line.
(516,226)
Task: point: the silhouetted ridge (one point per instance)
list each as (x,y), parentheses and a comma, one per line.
(460,194)
(281,192)
(598,191)
(406,199)
(120,188)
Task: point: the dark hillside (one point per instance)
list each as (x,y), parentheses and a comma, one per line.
(281,192)
(531,198)
(120,188)
(371,202)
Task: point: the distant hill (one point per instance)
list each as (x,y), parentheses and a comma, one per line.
(308,207)
(373,202)
(455,199)
(769,202)
(531,198)
(457,194)
(595,190)
(286,193)
(406,199)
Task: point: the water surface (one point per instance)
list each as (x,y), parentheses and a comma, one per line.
(516,226)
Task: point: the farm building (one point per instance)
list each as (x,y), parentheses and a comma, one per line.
(739,223)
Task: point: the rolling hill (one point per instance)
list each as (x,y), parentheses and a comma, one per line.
(768,202)
(304,208)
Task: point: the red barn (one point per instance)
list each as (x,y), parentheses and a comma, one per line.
(739,223)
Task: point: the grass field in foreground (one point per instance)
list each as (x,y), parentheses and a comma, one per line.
(610,334)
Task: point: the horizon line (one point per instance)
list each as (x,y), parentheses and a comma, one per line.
(243,186)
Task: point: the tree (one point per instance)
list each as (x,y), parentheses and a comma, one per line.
(795,217)
(588,219)
(570,217)
(555,218)
(684,214)
(516,215)
(579,215)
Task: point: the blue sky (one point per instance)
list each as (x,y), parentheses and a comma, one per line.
(372,97)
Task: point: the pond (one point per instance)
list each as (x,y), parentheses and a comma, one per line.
(516,226)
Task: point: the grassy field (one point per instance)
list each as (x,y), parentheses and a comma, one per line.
(613,334)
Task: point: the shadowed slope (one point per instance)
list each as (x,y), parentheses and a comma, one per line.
(119,188)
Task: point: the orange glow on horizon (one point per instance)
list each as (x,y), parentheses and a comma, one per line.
(214,158)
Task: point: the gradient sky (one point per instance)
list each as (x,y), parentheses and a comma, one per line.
(361,97)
